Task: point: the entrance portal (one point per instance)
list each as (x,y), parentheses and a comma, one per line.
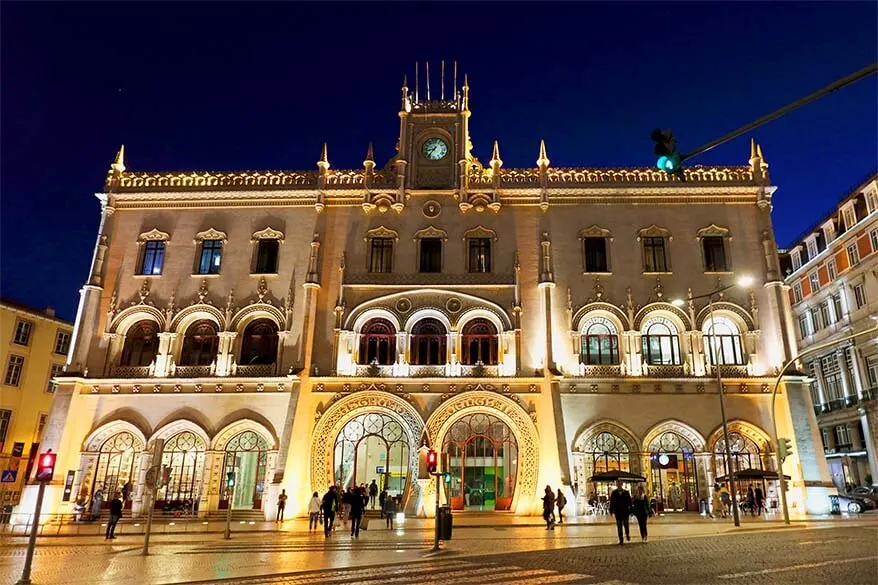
(246,455)
(483,462)
(674,478)
(372,447)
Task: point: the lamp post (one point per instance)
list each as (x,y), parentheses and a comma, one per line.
(816,348)
(744,282)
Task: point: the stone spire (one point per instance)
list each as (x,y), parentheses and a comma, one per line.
(323,163)
(465,102)
(543,161)
(118,165)
(496,162)
(369,163)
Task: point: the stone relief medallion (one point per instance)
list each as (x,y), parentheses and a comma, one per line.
(432,209)
(453,305)
(403,305)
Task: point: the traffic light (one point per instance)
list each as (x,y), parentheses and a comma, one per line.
(230,480)
(46,467)
(666,150)
(432,460)
(784,448)
(447,477)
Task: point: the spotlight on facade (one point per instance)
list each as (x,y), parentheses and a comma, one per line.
(745,281)
(678,302)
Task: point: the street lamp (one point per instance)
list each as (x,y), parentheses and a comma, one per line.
(743,282)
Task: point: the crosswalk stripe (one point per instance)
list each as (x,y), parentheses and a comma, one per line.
(413,575)
(380,570)
(446,577)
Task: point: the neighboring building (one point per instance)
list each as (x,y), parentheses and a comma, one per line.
(833,276)
(35,345)
(306,327)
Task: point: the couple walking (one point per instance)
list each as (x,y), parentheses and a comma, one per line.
(549,503)
(622,505)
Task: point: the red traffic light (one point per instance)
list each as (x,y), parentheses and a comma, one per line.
(432,458)
(46,467)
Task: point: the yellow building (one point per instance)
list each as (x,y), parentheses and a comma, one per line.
(34,345)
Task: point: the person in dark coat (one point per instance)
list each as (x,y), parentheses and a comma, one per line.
(356,513)
(760,500)
(373,493)
(329,505)
(549,508)
(561,501)
(751,500)
(620,507)
(641,511)
(115,516)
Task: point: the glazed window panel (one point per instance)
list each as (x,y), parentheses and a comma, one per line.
(381,255)
(431,255)
(184,454)
(211,256)
(267,252)
(479,343)
(714,248)
(259,344)
(54,371)
(723,342)
(22,332)
(200,344)
(595,253)
(860,295)
(14,369)
(660,343)
(153,258)
(480,254)
(116,464)
(429,340)
(141,344)
(674,472)
(654,254)
(372,446)
(246,455)
(744,453)
(378,342)
(599,343)
(62,342)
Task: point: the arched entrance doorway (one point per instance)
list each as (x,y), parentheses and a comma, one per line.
(483,462)
(184,454)
(246,455)
(600,450)
(116,467)
(673,472)
(372,447)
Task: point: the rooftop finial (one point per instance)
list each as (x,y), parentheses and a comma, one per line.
(118,165)
(753,148)
(543,160)
(323,163)
(496,162)
(370,157)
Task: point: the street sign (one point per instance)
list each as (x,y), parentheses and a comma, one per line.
(379,469)
(8,476)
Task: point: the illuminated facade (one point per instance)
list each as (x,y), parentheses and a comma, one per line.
(516,318)
(833,277)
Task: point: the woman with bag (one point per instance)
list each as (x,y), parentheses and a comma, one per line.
(641,511)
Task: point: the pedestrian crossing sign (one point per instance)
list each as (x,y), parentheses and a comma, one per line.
(8,476)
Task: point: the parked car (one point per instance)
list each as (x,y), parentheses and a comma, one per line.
(851,504)
(870,493)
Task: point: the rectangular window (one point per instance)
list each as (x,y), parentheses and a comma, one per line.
(62,342)
(850,217)
(654,259)
(812,248)
(872,201)
(56,370)
(480,254)
(381,255)
(431,255)
(797,292)
(853,255)
(211,255)
(836,306)
(872,370)
(714,254)
(824,435)
(5,416)
(873,238)
(860,295)
(797,259)
(266,256)
(22,332)
(832,269)
(816,322)
(824,313)
(13,370)
(153,257)
(41,425)
(803,326)
(843,436)
(814,281)
(595,251)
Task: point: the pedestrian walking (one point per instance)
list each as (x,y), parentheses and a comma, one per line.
(561,501)
(620,507)
(373,493)
(346,498)
(760,500)
(356,512)
(329,506)
(751,499)
(281,504)
(716,504)
(549,508)
(126,491)
(388,510)
(115,516)
(314,512)
(382,497)
(726,499)
(641,511)
(97,502)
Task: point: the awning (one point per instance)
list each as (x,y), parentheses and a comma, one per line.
(748,474)
(616,475)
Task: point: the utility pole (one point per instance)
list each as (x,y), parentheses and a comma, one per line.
(45,471)
(153,481)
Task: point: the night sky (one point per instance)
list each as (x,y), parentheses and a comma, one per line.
(234,86)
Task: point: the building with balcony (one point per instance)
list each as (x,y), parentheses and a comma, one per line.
(304,328)
(832,272)
(35,344)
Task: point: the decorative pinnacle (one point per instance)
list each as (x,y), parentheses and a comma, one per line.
(753,148)
(118,165)
(405,81)
(323,163)
(761,156)
(543,160)
(496,162)
(370,157)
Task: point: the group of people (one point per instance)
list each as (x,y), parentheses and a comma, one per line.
(550,502)
(721,501)
(350,505)
(622,506)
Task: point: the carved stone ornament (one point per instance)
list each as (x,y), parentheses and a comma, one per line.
(153,235)
(595,231)
(654,231)
(403,305)
(432,209)
(480,232)
(211,234)
(382,232)
(712,230)
(267,234)
(431,232)
(202,291)
(453,305)
(156,388)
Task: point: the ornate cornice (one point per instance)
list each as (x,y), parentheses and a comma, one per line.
(267,234)
(152,235)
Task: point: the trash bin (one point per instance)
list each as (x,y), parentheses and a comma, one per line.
(835,507)
(445,522)
(703,508)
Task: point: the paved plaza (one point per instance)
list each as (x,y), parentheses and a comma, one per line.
(836,550)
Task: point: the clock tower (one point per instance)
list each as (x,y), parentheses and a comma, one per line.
(434,145)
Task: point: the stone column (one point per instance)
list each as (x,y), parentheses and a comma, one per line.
(145,460)
(846,383)
(869,420)
(859,373)
(225,355)
(821,383)
(165,355)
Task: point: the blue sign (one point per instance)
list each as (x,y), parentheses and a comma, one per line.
(8,476)
(379,469)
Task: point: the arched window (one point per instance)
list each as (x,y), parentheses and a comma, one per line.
(722,340)
(259,345)
(200,344)
(674,472)
(744,453)
(429,339)
(184,454)
(479,343)
(599,343)
(661,342)
(141,344)
(116,464)
(246,457)
(372,446)
(378,342)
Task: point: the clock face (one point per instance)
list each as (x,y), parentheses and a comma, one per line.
(434,149)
